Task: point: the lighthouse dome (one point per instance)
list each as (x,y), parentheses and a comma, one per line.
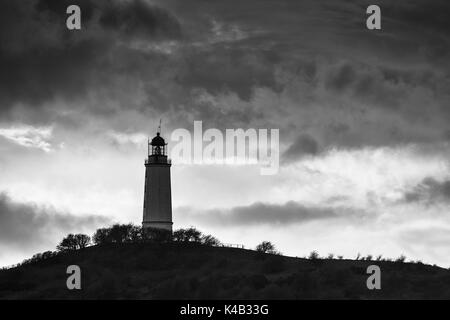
(158,140)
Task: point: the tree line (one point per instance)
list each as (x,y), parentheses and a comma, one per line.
(129,233)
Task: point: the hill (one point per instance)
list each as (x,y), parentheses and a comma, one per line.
(193,271)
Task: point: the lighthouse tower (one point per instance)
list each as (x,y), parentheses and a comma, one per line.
(157,193)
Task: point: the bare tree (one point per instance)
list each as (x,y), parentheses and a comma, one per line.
(266,247)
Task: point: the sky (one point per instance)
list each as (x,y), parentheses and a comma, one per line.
(363,117)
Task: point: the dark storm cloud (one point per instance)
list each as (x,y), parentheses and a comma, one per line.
(139,18)
(155,57)
(262,214)
(41,60)
(429,15)
(135,17)
(430,191)
(303,145)
(25,226)
(232,69)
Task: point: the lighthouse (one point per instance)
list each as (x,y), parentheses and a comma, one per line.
(157,192)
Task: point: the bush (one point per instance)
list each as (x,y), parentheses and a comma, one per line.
(266,247)
(314,255)
(156,235)
(187,235)
(119,233)
(74,242)
(101,236)
(401,259)
(129,233)
(136,234)
(39,257)
(209,240)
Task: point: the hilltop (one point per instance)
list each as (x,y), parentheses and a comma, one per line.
(195,271)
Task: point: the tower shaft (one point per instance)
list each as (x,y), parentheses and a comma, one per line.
(157,192)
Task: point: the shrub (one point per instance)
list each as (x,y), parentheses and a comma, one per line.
(266,247)
(156,235)
(187,235)
(102,236)
(209,240)
(121,233)
(136,234)
(118,233)
(74,242)
(39,257)
(48,255)
(314,255)
(401,259)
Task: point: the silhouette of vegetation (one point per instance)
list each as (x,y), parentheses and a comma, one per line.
(401,259)
(156,264)
(38,257)
(186,270)
(118,233)
(209,240)
(74,242)
(187,235)
(266,247)
(155,235)
(128,233)
(314,255)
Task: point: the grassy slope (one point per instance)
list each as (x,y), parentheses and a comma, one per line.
(151,271)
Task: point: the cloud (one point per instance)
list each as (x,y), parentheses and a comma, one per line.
(354,99)
(29,136)
(131,18)
(430,191)
(427,243)
(139,18)
(42,61)
(137,138)
(29,227)
(157,59)
(260,214)
(303,145)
